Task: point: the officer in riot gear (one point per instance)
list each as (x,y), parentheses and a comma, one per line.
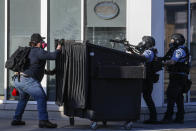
(153,65)
(149,52)
(176,62)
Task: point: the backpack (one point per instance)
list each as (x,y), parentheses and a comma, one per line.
(19,60)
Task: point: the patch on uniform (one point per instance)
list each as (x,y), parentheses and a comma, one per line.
(179,53)
(149,52)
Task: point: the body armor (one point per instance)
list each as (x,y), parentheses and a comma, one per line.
(179,66)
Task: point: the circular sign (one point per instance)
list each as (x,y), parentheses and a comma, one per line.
(106,10)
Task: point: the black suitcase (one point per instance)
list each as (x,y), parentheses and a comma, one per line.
(99,83)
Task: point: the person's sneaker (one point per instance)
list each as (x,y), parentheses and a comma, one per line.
(46,124)
(150,121)
(178,121)
(17,122)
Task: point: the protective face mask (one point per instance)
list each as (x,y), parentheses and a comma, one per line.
(171,45)
(141,44)
(43,45)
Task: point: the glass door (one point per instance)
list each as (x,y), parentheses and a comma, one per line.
(23,21)
(62,24)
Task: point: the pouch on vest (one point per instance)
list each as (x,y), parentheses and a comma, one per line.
(187,86)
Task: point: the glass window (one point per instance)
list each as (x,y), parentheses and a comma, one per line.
(105,20)
(64,22)
(175,22)
(193,51)
(24,19)
(2,41)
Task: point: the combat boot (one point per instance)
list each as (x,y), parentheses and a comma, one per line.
(46,124)
(17,123)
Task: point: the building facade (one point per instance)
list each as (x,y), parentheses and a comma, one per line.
(97,21)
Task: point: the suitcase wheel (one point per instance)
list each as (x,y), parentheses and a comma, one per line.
(128,125)
(94,125)
(104,123)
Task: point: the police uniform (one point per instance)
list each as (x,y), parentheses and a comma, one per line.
(177,80)
(148,87)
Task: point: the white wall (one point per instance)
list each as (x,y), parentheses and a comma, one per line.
(146,17)
(138,19)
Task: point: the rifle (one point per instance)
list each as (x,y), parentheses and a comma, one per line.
(156,65)
(169,53)
(130,48)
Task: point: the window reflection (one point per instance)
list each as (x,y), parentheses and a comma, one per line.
(64,23)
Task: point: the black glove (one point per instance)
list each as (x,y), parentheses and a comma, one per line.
(50,72)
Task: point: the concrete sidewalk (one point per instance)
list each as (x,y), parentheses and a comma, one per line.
(83,124)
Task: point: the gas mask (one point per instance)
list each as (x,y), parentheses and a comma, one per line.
(176,40)
(173,43)
(43,44)
(141,46)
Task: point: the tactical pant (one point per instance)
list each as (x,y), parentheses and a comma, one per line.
(147,95)
(175,95)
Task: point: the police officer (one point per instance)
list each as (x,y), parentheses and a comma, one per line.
(149,53)
(176,64)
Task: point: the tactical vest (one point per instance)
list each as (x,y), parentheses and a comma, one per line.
(180,67)
(155,65)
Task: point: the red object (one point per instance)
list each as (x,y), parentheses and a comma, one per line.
(15,92)
(44,45)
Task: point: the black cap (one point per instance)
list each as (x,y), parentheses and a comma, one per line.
(36,38)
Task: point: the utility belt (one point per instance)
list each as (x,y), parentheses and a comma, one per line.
(187,81)
(18,75)
(22,74)
(175,76)
(179,68)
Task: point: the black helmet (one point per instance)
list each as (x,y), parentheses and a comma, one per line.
(149,41)
(178,39)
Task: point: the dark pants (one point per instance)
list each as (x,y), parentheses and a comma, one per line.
(175,95)
(147,95)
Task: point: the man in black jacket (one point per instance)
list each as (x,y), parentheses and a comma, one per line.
(29,84)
